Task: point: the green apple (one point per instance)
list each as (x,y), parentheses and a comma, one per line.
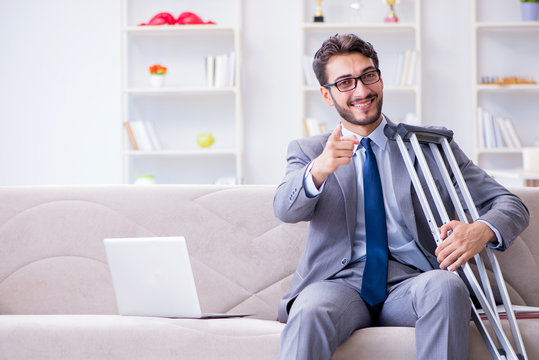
(205,140)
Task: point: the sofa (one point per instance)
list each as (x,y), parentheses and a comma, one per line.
(57,300)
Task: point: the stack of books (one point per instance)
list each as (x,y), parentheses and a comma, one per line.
(406,71)
(142,135)
(496,131)
(220,70)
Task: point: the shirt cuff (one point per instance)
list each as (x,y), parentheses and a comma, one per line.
(497,233)
(308,183)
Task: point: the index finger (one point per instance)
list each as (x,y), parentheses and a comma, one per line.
(336,134)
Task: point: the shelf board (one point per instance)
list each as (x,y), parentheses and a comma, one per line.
(194,152)
(519,25)
(176,29)
(179,91)
(503,150)
(365,26)
(519,174)
(507,88)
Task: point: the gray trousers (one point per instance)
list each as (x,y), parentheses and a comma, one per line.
(326,313)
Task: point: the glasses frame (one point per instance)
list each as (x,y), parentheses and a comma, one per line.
(356,80)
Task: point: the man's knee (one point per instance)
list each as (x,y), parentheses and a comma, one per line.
(441,285)
(315,301)
(330,303)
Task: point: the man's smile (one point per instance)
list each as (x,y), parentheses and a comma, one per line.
(362,104)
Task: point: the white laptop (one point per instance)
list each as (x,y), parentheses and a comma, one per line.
(152,276)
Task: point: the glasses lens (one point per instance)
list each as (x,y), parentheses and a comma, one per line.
(346,84)
(370,77)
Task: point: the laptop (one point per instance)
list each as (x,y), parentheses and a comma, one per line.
(152,276)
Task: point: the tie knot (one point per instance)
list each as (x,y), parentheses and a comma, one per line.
(366,143)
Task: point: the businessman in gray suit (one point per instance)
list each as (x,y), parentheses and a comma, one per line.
(365,264)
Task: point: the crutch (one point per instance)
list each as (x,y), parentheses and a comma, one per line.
(435,138)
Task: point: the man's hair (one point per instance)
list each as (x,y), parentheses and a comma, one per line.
(340,45)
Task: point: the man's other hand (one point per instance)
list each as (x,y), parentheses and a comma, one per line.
(464,242)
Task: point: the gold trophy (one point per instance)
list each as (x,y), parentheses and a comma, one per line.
(318,17)
(391,17)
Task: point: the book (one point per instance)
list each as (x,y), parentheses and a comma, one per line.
(310,77)
(323,128)
(488,127)
(130,135)
(405,67)
(311,126)
(504,131)
(398,69)
(156,145)
(210,71)
(220,70)
(480,129)
(141,135)
(512,133)
(412,66)
(497,132)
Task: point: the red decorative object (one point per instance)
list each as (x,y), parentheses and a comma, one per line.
(163,18)
(189,18)
(185,18)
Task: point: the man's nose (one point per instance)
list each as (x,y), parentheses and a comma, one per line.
(360,89)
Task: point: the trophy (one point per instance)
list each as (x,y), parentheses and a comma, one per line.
(391,17)
(318,17)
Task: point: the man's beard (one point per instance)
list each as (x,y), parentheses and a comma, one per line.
(349,116)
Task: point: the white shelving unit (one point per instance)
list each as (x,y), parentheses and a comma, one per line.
(390,40)
(504,45)
(185,106)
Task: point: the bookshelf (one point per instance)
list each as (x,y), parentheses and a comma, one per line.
(504,67)
(186,106)
(394,42)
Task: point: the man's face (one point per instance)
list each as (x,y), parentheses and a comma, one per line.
(361,106)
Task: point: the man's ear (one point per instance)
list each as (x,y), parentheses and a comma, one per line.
(324,91)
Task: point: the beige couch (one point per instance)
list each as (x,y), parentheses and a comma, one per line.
(57,302)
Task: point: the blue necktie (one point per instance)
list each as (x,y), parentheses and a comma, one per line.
(373,286)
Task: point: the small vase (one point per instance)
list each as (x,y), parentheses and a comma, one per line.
(529,11)
(157,81)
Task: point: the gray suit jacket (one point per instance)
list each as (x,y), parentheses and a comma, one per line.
(332,214)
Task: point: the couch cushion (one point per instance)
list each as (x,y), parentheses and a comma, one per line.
(118,337)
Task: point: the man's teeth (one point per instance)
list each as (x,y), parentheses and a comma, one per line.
(362,104)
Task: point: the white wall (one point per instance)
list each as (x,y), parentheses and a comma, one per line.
(59,92)
(60,86)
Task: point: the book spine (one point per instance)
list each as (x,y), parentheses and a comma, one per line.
(130,135)
(210,71)
(153,136)
(141,135)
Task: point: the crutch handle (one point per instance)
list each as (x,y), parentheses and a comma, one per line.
(424,134)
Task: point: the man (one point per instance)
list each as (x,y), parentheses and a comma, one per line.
(336,287)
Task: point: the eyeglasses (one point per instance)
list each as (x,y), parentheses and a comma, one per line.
(349,84)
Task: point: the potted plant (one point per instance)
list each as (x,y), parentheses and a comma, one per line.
(529,10)
(157,75)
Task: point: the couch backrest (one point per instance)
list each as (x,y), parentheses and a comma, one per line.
(520,263)
(52,259)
